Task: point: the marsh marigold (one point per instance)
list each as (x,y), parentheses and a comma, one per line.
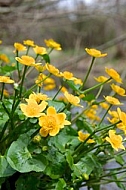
(115,140)
(52,122)
(33,109)
(95,53)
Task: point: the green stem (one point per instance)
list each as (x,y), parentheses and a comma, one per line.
(99,92)
(3,130)
(80,147)
(17,63)
(36,85)
(3,85)
(57,93)
(22,81)
(88,72)
(105,115)
(94,87)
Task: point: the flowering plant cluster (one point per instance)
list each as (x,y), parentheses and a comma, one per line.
(64,140)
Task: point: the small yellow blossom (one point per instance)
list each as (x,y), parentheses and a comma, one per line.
(27,60)
(63,89)
(29,43)
(77,81)
(49,87)
(52,44)
(113,74)
(5,79)
(122,116)
(115,140)
(83,136)
(40,68)
(91,114)
(101,79)
(52,69)
(40,50)
(49,84)
(122,127)
(113,120)
(120,91)
(52,122)
(112,100)
(5,93)
(33,109)
(38,97)
(74,100)
(0,41)
(95,53)
(4,58)
(113,113)
(19,47)
(104,105)
(40,79)
(67,75)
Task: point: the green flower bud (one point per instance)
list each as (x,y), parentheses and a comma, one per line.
(37,139)
(86,176)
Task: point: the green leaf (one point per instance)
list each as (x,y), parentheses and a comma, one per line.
(27,181)
(87,164)
(89,97)
(119,159)
(73,86)
(69,159)
(46,58)
(61,184)
(20,159)
(7,69)
(58,105)
(5,169)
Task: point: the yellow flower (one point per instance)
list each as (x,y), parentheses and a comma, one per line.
(112,100)
(52,122)
(113,113)
(101,79)
(40,50)
(0,41)
(122,127)
(115,140)
(95,53)
(40,78)
(118,90)
(4,58)
(83,136)
(40,68)
(27,60)
(104,105)
(29,43)
(6,93)
(52,44)
(68,75)
(113,74)
(19,47)
(91,114)
(63,89)
(38,97)
(52,69)
(77,81)
(74,100)
(33,109)
(5,79)
(122,116)
(113,120)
